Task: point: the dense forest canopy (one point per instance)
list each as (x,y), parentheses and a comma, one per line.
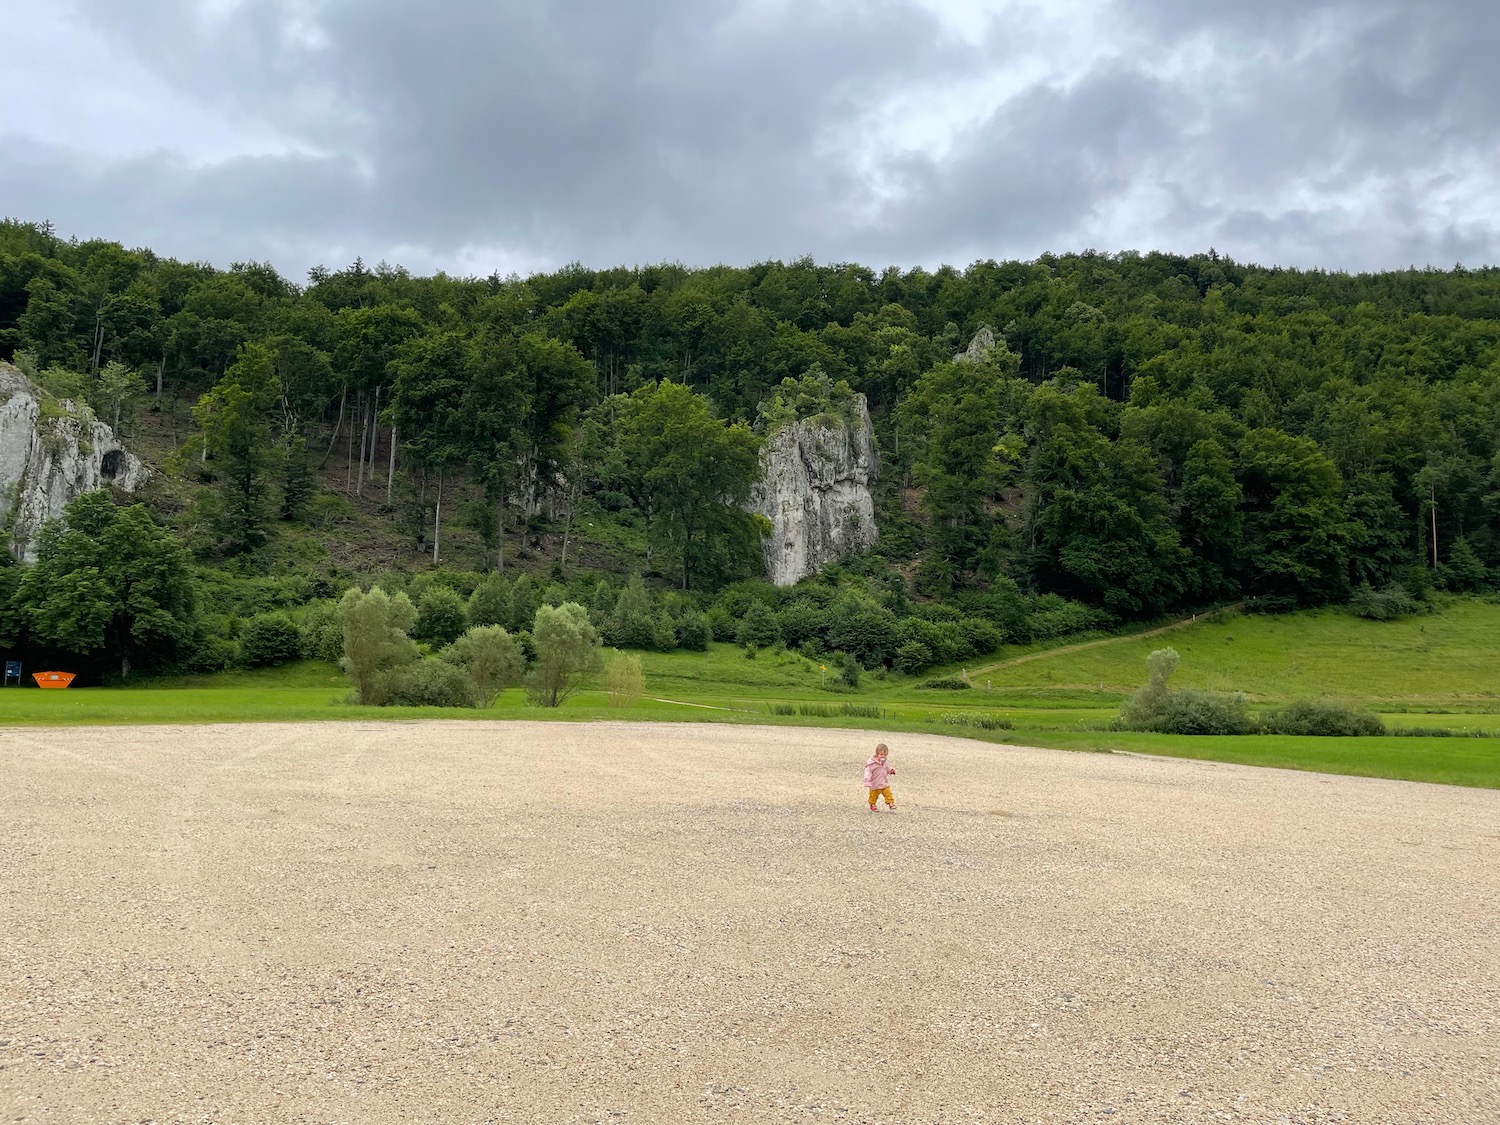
(1150,432)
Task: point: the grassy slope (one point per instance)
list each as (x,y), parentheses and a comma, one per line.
(1445,663)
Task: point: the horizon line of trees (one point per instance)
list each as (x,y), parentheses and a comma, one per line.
(1151,431)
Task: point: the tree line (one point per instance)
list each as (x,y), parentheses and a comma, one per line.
(1149,432)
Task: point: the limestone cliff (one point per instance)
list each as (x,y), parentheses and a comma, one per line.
(815,488)
(50,452)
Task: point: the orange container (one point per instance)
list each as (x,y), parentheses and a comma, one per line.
(52,679)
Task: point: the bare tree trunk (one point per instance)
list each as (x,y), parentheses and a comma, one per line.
(337,426)
(390,473)
(374,434)
(364,441)
(500,535)
(567,530)
(437,521)
(349,453)
(1432,497)
(161,368)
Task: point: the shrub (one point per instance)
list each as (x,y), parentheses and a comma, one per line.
(721,623)
(946,683)
(1203,712)
(849,670)
(492,660)
(1329,717)
(322,632)
(693,632)
(1155,707)
(270,639)
(440,616)
(783,708)
(977,719)
(863,628)
(632,623)
(913,657)
(758,627)
(802,623)
(1386,604)
(832,711)
(424,683)
(625,681)
(208,653)
(489,604)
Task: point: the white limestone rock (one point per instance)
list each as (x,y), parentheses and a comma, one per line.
(47,458)
(980,346)
(815,488)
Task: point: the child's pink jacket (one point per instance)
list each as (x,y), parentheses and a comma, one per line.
(878,773)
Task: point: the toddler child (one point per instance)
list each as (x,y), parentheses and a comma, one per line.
(878,774)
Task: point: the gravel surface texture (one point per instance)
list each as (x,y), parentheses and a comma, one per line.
(517,922)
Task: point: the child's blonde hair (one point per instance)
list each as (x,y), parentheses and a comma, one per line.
(879,746)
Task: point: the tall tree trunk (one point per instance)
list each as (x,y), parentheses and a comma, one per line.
(390,473)
(349,452)
(364,441)
(161,368)
(1432,498)
(437,521)
(337,426)
(374,434)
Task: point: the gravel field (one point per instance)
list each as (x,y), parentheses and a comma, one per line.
(518,922)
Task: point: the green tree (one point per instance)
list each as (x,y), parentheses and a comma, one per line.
(685,467)
(376,640)
(567,649)
(236,425)
(492,659)
(109,581)
(441,618)
(489,604)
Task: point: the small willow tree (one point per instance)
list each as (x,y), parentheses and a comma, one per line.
(491,657)
(625,682)
(376,637)
(567,649)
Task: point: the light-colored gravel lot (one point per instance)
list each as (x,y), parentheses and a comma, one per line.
(453,922)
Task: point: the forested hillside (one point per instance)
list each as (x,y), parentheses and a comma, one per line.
(1150,433)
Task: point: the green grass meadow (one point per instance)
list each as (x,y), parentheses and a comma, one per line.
(1436,671)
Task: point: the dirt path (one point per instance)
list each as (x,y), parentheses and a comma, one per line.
(1100,643)
(612,922)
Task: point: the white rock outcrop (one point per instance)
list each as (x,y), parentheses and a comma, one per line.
(815,488)
(47,457)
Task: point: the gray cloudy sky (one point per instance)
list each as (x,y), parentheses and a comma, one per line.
(474,135)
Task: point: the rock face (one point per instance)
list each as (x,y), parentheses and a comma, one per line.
(815,490)
(49,455)
(979,347)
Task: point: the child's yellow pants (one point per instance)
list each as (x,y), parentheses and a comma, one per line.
(876,794)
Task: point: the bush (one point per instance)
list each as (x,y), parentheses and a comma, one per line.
(209,653)
(270,639)
(489,604)
(913,657)
(976,719)
(441,619)
(1328,717)
(424,683)
(946,683)
(863,628)
(322,632)
(802,623)
(721,623)
(1386,604)
(758,627)
(1155,707)
(849,670)
(492,660)
(633,621)
(692,632)
(1202,712)
(625,681)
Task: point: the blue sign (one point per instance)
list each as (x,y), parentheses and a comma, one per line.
(12,669)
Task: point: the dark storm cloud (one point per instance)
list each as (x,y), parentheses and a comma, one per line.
(481,135)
